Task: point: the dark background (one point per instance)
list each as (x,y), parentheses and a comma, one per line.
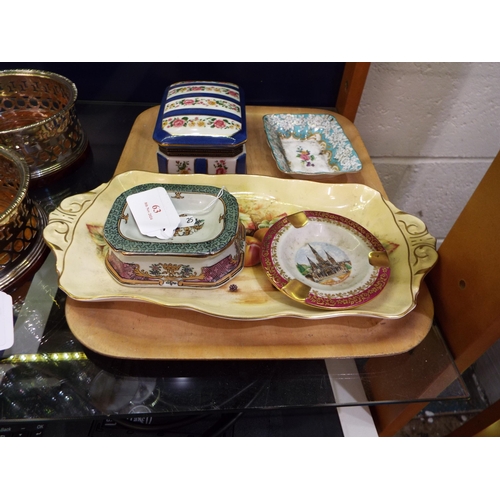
(265,84)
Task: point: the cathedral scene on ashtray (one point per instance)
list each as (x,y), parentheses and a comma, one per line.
(324,269)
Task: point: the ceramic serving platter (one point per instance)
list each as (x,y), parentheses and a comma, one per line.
(74,233)
(310,145)
(325,260)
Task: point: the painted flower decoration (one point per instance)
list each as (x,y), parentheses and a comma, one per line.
(183,167)
(305,157)
(96,233)
(155,269)
(220,167)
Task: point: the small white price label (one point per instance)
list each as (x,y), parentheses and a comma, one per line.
(6,322)
(154,213)
(188,221)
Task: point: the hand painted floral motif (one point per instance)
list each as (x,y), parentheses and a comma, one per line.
(174,274)
(205,88)
(155,269)
(183,167)
(97,234)
(158,272)
(203,102)
(200,122)
(306,158)
(220,167)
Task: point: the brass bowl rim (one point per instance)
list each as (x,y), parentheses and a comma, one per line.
(48,75)
(23,188)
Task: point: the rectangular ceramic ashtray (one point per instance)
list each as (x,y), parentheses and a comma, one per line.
(204,254)
(310,145)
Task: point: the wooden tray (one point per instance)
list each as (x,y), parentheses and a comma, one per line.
(148,331)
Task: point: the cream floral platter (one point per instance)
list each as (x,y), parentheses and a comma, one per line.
(310,145)
(325,260)
(75,235)
(205,252)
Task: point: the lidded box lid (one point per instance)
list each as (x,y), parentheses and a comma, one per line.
(201,113)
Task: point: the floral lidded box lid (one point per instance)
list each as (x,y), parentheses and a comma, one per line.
(201,113)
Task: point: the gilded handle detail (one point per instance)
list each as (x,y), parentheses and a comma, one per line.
(422,246)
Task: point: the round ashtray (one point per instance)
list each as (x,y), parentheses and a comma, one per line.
(325,260)
(38,121)
(22,247)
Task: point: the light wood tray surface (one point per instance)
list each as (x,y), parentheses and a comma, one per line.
(148,331)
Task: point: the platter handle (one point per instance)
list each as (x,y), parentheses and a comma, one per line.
(58,232)
(422,246)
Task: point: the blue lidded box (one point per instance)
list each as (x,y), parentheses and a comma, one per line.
(201,129)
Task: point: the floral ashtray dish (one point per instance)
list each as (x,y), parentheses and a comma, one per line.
(310,145)
(206,251)
(325,260)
